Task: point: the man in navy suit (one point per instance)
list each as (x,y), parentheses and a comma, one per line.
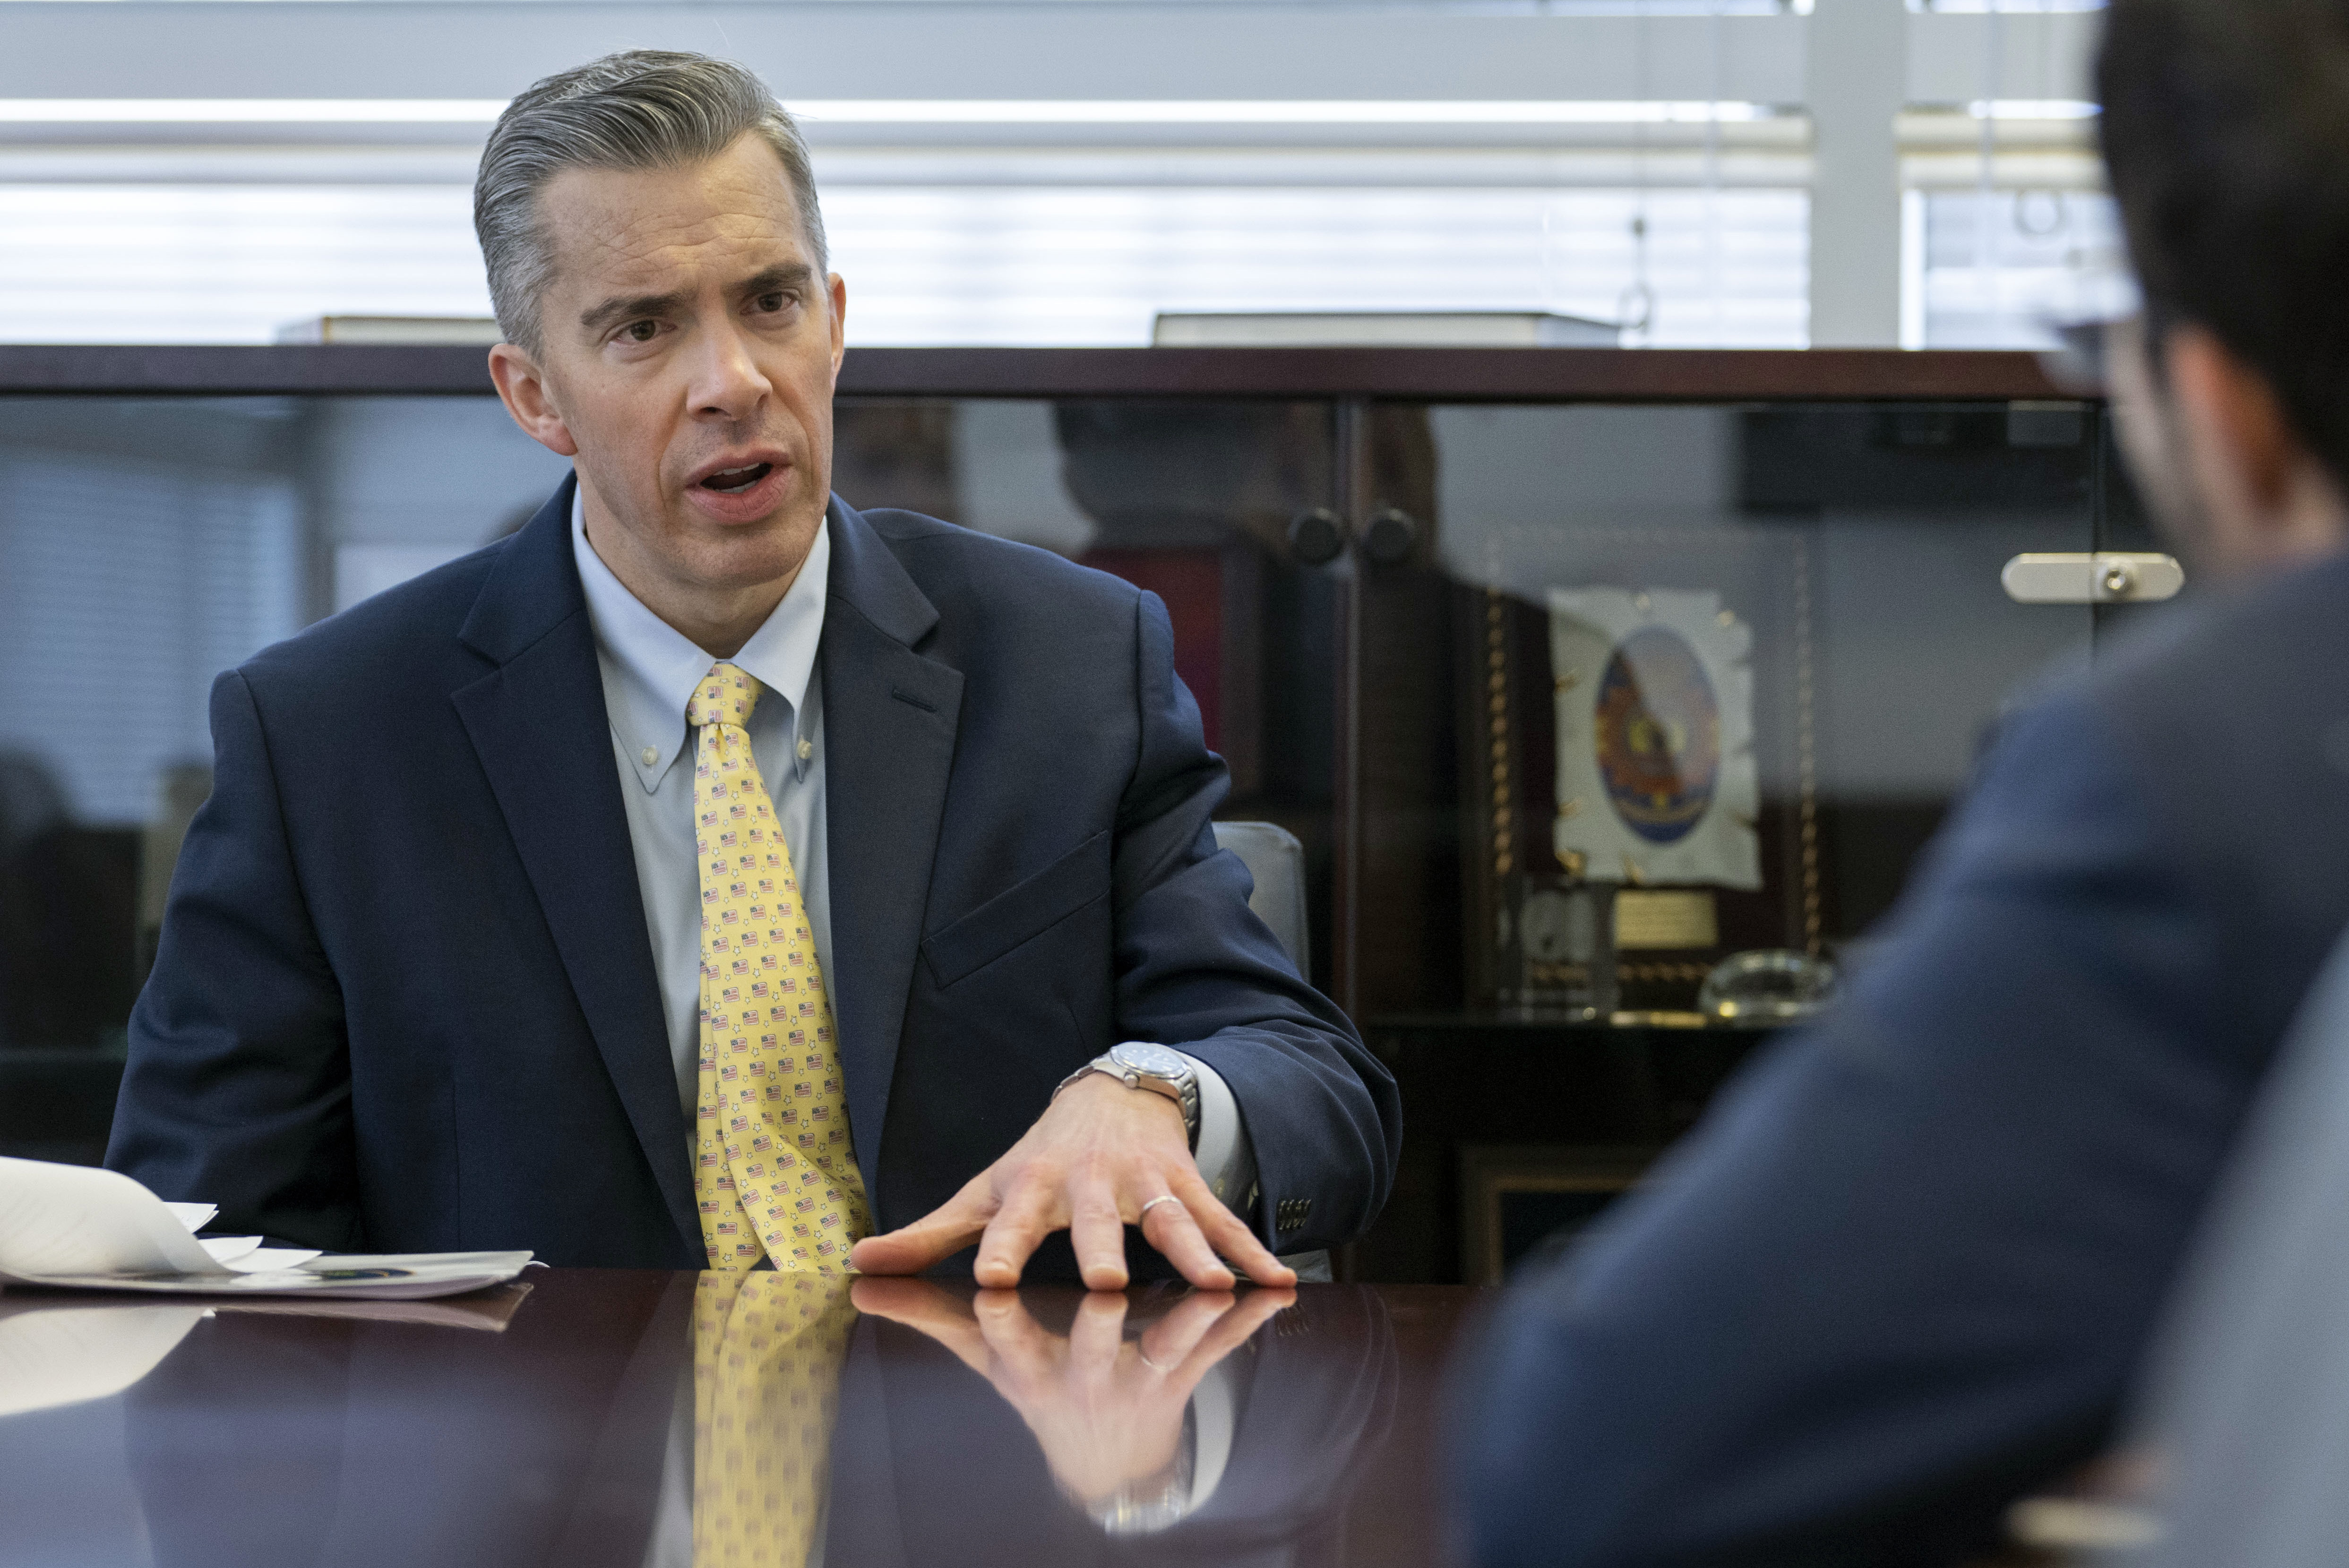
(431,971)
(1903,1272)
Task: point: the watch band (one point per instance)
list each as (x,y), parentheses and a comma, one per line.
(1183,1090)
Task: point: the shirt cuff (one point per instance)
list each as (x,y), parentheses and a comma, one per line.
(1227,1159)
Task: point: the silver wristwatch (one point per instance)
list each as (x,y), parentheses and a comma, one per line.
(1139,1065)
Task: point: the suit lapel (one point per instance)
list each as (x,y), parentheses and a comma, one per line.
(538,725)
(889,722)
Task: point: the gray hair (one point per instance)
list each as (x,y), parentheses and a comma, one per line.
(641,109)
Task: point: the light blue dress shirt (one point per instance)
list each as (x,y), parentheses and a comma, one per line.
(649,672)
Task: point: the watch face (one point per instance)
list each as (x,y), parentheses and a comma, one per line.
(1151,1061)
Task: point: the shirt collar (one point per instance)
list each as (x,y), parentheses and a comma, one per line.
(657,666)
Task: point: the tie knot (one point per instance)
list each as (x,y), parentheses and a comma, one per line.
(725,695)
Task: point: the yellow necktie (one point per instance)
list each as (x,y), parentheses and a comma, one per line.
(774,1172)
(767,1351)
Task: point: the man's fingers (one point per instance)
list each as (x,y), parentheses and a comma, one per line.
(1031,1212)
(1025,1351)
(1165,1343)
(1171,1230)
(938,1234)
(1183,1365)
(1098,1234)
(919,1304)
(1230,1331)
(1226,1233)
(1099,1332)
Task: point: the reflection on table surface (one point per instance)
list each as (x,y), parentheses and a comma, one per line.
(646,1418)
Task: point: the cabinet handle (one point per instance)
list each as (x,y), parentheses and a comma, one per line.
(1316,537)
(1389,536)
(2105,577)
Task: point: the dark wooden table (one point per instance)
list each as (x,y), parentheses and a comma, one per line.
(555,1424)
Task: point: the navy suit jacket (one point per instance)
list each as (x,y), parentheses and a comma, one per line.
(1904,1271)
(405,998)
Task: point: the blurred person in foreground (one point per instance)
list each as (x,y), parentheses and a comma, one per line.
(1905,1270)
(2237,1454)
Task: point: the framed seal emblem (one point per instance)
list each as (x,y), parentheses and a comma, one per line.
(1656,777)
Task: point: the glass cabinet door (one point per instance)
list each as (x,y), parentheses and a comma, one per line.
(1641,687)
(1635,690)
(1191,499)
(149,543)
(146,544)
(1601,695)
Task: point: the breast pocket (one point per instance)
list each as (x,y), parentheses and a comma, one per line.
(1019,914)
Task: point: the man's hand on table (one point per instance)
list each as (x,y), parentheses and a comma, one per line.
(1099,1152)
(1106,1410)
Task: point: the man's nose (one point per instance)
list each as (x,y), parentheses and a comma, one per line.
(726,381)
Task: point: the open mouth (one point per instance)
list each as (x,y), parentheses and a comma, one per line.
(734,481)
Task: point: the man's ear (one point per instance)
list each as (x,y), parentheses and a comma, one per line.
(2244,444)
(838,288)
(523,388)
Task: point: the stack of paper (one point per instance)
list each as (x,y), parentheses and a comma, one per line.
(71,1225)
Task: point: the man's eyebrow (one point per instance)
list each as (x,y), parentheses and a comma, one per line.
(613,311)
(782,276)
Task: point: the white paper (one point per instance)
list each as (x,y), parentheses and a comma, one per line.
(265,1260)
(76,1226)
(195,1216)
(79,1219)
(245,1255)
(226,1249)
(388,1278)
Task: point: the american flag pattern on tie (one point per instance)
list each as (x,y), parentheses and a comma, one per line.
(767,1353)
(774,1172)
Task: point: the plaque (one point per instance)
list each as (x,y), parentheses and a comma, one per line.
(1665,918)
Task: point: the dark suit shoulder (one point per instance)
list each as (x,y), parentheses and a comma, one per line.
(2219,730)
(386,644)
(2235,720)
(2236,663)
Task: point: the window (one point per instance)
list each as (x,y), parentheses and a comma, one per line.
(1046,265)
(124,588)
(2001,269)
(942,264)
